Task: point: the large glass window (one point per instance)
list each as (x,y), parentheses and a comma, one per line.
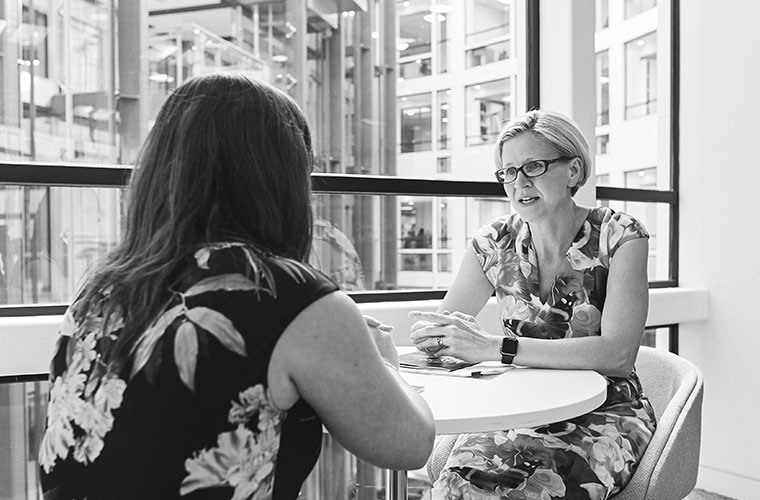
(633,128)
(91,75)
(488,106)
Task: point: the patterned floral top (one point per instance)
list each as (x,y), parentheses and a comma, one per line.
(589,457)
(192,416)
(576,299)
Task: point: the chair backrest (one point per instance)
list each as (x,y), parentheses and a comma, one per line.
(668,469)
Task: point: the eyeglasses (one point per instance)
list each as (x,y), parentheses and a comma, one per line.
(534,168)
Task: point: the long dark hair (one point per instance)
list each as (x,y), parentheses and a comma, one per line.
(228,159)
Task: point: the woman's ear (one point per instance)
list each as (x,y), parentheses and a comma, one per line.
(575,172)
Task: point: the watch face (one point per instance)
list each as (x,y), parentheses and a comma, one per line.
(509,346)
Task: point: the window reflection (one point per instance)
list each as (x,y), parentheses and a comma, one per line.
(488,107)
(488,36)
(428,237)
(416,122)
(636,7)
(416,22)
(49,237)
(603,88)
(641,76)
(23,408)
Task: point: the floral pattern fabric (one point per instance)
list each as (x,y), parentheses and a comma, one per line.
(202,367)
(589,457)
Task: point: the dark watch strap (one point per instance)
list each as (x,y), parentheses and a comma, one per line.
(508,350)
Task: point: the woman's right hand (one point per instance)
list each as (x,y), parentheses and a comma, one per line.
(381,334)
(453,334)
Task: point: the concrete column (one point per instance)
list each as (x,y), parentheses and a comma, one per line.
(132,101)
(567,70)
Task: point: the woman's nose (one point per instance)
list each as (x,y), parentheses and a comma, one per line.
(522,180)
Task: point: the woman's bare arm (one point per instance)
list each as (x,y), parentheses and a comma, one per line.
(612,353)
(327,356)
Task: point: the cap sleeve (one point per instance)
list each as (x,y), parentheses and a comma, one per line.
(617,229)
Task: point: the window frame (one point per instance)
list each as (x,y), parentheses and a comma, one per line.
(93,175)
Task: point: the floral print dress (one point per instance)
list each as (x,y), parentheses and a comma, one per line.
(191,417)
(589,457)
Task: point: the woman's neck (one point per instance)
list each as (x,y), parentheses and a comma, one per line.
(553,236)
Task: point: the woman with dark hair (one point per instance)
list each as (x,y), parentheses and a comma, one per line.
(199,358)
(571,282)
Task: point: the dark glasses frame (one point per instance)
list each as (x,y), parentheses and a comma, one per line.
(501,174)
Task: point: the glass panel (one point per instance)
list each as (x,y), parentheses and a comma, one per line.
(657,337)
(444,165)
(58,102)
(396,242)
(443,97)
(488,29)
(602,14)
(56,82)
(415,68)
(414,25)
(66,67)
(656,219)
(487,20)
(633,108)
(444,54)
(603,88)
(23,410)
(635,7)
(488,106)
(50,236)
(497,51)
(416,122)
(641,76)
(603,144)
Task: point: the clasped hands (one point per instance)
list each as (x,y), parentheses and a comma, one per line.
(453,334)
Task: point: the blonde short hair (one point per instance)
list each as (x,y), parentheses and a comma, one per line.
(559,131)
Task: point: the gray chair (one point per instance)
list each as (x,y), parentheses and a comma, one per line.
(668,469)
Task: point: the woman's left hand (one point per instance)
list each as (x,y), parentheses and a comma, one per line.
(454,334)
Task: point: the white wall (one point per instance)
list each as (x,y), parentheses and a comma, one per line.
(720,203)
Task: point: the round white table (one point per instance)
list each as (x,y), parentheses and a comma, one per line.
(520,397)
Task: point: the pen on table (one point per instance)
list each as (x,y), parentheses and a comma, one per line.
(482,373)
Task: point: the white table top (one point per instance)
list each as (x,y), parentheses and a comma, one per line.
(521,397)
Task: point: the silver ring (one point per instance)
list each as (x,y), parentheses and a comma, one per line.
(440,342)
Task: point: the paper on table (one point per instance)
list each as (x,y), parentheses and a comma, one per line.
(419,362)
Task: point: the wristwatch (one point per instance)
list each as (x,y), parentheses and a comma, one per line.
(508,350)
